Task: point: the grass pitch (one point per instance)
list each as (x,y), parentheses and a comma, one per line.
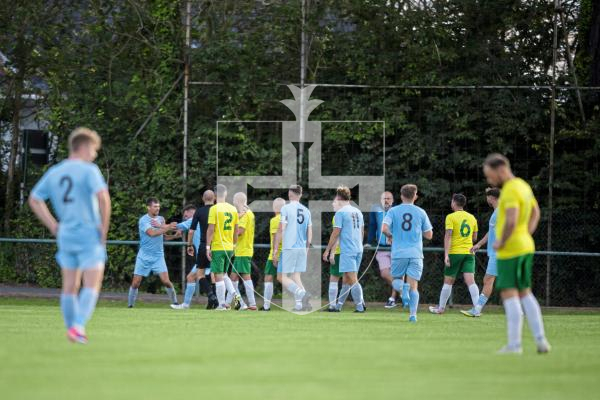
(153,352)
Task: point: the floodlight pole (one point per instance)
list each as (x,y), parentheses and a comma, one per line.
(552,139)
(302,95)
(186,86)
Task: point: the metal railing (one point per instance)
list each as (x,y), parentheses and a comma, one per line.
(576,274)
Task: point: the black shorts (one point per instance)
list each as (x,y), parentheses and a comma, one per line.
(201,259)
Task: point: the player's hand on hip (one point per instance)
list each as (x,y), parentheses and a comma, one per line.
(447,261)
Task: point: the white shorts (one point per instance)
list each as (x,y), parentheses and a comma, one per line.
(384,259)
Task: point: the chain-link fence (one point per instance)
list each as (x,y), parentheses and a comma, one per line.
(573,278)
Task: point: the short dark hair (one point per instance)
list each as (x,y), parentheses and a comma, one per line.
(459,199)
(220,190)
(493,192)
(296,189)
(189,207)
(408,191)
(496,160)
(343,192)
(152,200)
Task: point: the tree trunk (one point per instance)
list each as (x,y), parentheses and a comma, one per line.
(594,44)
(14,151)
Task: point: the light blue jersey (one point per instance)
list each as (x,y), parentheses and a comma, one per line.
(350,221)
(185,227)
(151,247)
(297,219)
(72,187)
(407,223)
(492,235)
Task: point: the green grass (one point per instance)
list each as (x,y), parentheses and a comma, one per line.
(153,352)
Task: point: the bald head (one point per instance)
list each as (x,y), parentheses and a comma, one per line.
(208,197)
(387,199)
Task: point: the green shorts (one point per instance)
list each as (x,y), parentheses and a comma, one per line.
(515,273)
(221,260)
(242,265)
(334,269)
(464,263)
(270,269)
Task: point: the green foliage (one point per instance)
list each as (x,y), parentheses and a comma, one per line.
(107,65)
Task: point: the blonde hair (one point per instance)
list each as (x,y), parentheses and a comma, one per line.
(83,136)
(278,204)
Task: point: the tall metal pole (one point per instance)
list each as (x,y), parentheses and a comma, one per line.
(302,80)
(552,139)
(186,84)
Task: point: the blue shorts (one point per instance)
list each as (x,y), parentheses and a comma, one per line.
(292,260)
(492,267)
(88,258)
(412,267)
(145,267)
(350,262)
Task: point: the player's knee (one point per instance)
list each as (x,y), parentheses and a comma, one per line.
(397,284)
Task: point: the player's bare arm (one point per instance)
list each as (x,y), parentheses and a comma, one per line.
(104,205)
(333,239)
(190,242)
(276,241)
(385,229)
(428,235)
(210,232)
(309,234)
(41,211)
(534,219)
(447,244)
(479,244)
(512,214)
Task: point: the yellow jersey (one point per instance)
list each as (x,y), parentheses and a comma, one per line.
(245,243)
(273,227)
(463,226)
(224,217)
(337,249)
(516,193)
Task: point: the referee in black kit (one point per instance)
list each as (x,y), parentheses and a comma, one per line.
(202,263)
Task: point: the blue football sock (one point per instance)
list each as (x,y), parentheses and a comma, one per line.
(397,285)
(414,302)
(68,306)
(87,304)
(132,297)
(292,288)
(481,302)
(343,295)
(406,293)
(357,296)
(172,295)
(190,289)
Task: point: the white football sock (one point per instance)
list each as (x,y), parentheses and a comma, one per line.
(268,295)
(445,295)
(220,289)
(333,292)
(533,313)
(249,285)
(514,321)
(474,290)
